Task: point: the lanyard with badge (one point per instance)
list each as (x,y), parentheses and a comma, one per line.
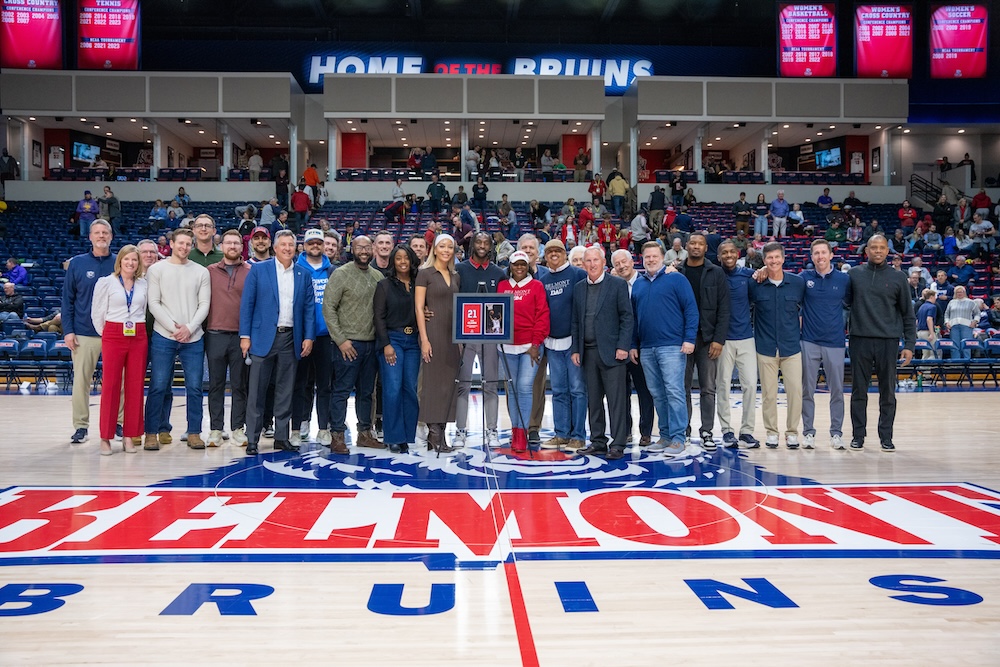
(128,328)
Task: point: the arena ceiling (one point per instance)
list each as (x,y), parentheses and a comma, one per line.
(676,22)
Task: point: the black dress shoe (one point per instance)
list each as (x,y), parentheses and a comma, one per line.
(251,449)
(887,446)
(285,446)
(593,450)
(615,453)
(857,444)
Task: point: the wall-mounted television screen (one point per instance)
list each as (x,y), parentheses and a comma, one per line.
(85,152)
(828,158)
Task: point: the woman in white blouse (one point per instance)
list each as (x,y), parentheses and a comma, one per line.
(119,315)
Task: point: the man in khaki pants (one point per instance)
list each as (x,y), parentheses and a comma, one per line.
(777,302)
(78,329)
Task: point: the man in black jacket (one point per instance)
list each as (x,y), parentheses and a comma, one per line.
(11,304)
(881,314)
(711,293)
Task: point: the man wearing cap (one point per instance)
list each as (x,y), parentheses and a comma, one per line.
(260,245)
(569,391)
(314,374)
(276,329)
(87,209)
(222,341)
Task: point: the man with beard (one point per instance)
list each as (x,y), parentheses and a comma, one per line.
(348,308)
(477,274)
(331,247)
(260,245)
(222,341)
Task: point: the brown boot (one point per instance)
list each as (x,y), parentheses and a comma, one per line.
(555,443)
(368,439)
(151,442)
(435,439)
(337,444)
(195,441)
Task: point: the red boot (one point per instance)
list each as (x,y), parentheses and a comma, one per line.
(519,440)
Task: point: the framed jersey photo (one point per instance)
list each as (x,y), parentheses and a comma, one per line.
(484,318)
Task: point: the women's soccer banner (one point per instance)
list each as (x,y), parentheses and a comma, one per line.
(108,34)
(958,42)
(807,42)
(883,38)
(30,34)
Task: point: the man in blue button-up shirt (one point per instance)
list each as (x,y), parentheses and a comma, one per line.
(777,305)
(827,291)
(779,214)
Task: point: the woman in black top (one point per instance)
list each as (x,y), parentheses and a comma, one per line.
(479,190)
(396,337)
(760,213)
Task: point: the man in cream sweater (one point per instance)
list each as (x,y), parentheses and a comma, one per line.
(179,296)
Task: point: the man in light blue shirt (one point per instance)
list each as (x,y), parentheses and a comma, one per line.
(779,214)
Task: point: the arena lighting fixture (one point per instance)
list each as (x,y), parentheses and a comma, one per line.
(215,141)
(605,143)
(482,122)
(579,123)
(403,139)
(531,122)
(145,127)
(808,140)
(736,124)
(899,127)
(770,145)
(254,121)
(878,127)
(524,143)
(270,136)
(575,130)
(784,127)
(709,145)
(669,124)
(400,129)
(277,143)
(132,120)
(31,118)
(108,133)
(527,129)
(960,131)
(906,131)
(354,129)
(774,132)
(649,144)
(654,138)
(201,131)
(819,134)
(83,120)
(350,122)
(321,142)
(833,127)
(399,122)
(97,127)
(447,122)
(495,143)
(718,138)
(447,129)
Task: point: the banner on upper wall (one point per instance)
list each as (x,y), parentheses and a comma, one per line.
(883,37)
(958,41)
(807,40)
(30,34)
(108,34)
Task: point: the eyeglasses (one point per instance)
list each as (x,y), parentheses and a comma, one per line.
(204,225)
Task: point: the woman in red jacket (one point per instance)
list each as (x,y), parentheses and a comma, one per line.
(531,327)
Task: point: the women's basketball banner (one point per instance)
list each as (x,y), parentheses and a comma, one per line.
(108,33)
(30,34)
(883,38)
(807,42)
(958,42)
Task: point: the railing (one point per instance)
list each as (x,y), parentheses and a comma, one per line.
(924,189)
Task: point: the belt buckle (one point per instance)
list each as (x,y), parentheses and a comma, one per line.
(408,331)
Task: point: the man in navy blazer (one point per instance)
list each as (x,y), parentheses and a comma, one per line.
(277,327)
(602,335)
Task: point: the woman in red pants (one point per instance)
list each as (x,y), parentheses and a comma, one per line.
(119,314)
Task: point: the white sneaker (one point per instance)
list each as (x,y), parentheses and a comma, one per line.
(324,437)
(771,442)
(304,430)
(837,442)
(421,435)
(809,442)
(461,435)
(214,439)
(492,439)
(240,437)
(657,447)
(792,441)
(295,438)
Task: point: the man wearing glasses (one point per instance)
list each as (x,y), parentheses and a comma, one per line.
(204,251)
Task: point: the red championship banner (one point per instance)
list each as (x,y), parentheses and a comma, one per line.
(472,319)
(30,34)
(108,33)
(883,38)
(958,42)
(807,42)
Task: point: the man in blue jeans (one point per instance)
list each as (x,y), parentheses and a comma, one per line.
(666,326)
(179,297)
(348,308)
(569,391)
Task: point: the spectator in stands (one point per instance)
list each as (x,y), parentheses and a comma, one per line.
(176,209)
(777,304)
(897,244)
(607,236)
(111,209)
(738,351)
(576,256)
(119,318)
(479,192)
(311,176)
(255,165)
(855,231)
(80,335)
(961,315)
(460,197)
(569,232)
(754,258)
(982,203)
(740,241)
(714,240)
(269,212)
(580,162)
(684,222)
(927,314)
(280,223)
(51,323)
(597,187)
(504,248)
(635,378)
(917,264)
(897,262)
(825,201)
(179,296)
(435,194)
(538,212)
(942,214)
(588,235)
(677,255)
(519,160)
(797,223)
(281,183)
(16,273)
(963,214)
(466,225)
(761,212)
(162,247)
(87,210)
(914,243)
(907,215)
(678,185)
(933,241)
(834,234)
(916,290)
(689,198)
(301,207)
(779,210)
(641,232)
(742,212)
(11,304)
(665,331)
(398,347)
(962,241)
(994,313)
(618,189)
(871,230)
(418,244)
(982,234)
(961,273)
(348,308)
(852,201)
(182,197)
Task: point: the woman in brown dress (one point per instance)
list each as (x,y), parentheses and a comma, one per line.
(436,284)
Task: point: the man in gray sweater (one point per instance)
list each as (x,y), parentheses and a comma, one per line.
(881,314)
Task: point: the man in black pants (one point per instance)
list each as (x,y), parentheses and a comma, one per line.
(711,293)
(635,378)
(881,314)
